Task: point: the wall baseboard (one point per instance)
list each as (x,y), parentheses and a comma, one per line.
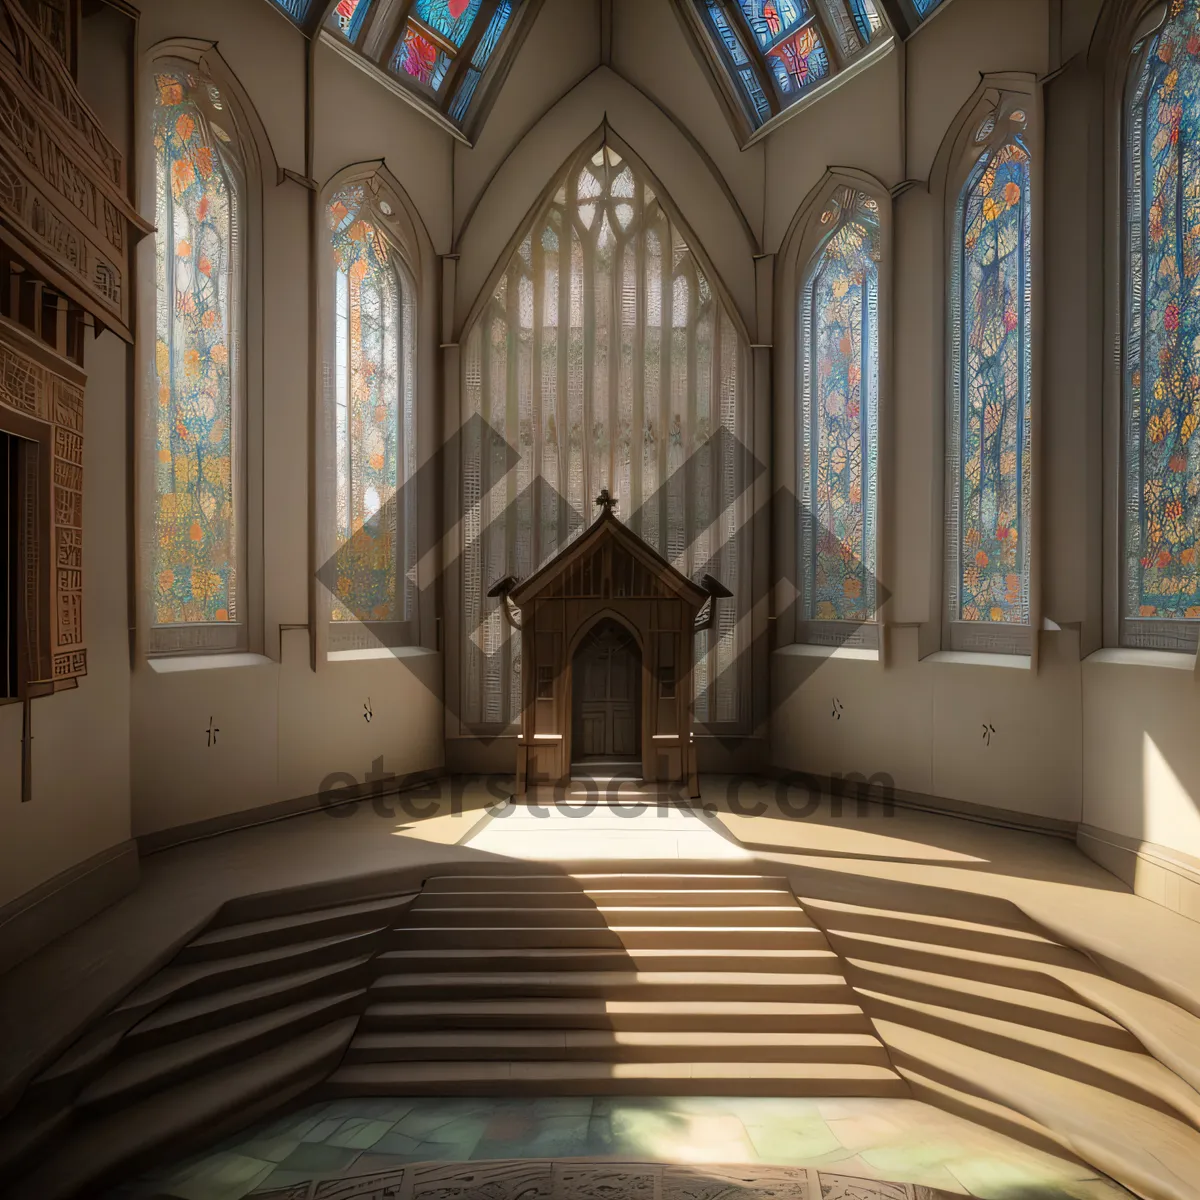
(1168,877)
(281,810)
(863,792)
(63,903)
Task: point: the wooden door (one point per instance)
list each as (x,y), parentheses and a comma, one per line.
(606,690)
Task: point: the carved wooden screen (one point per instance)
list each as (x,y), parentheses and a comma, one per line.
(41,401)
(62,181)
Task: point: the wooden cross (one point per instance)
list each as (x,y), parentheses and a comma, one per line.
(605,501)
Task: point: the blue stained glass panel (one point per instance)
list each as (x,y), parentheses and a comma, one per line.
(773,20)
(726,35)
(296,9)
(1162,349)
(840,390)
(798,61)
(992,405)
(462,102)
(491,36)
(450,18)
(866,18)
(755,94)
(925,7)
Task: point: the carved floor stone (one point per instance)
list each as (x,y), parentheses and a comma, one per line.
(547,1179)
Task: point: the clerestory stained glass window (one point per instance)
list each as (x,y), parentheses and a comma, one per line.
(604,358)
(197,490)
(839,419)
(373,398)
(1161,535)
(298,10)
(989,445)
(439,48)
(775,52)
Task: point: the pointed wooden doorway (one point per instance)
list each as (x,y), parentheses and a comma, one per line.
(606,674)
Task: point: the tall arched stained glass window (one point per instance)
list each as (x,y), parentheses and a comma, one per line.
(196,548)
(1161,586)
(373,436)
(989,436)
(604,357)
(839,420)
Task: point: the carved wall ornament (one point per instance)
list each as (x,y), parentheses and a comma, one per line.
(62,180)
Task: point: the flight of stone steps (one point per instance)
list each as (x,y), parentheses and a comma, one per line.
(249,1015)
(705,981)
(987,1015)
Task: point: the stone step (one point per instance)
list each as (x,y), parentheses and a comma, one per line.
(113,1148)
(152,1070)
(226,941)
(615,1046)
(1133,1075)
(950,961)
(615,985)
(1151,1153)
(604,899)
(609,1078)
(724,880)
(940,931)
(746,937)
(595,917)
(601,1014)
(540,959)
(1033,1010)
(197,979)
(186,1018)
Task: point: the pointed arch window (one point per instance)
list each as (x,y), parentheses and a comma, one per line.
(1160,601)
(989,443)
(604,357)
(196,536)
(371,412)
(839,424)
(771,54)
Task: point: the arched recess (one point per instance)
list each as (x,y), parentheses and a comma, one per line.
(542,458)
(1004,110)
(844,199)
(363,207)
(242,362)
(1124,51)
(513,192)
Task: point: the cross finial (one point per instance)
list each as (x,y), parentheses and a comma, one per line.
(606,501)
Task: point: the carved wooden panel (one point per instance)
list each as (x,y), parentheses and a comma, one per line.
(57,22)
(62,181)
(44,393)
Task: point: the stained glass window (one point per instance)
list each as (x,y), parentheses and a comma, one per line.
(347,17)
(839,400)
(989,445)
(298,10)
(925,7)
(604,358)
(776,51)
(200,285)
(373,399)
(1161,600)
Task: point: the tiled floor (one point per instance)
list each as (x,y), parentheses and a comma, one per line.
(901,1140)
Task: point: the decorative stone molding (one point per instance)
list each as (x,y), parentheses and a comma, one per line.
(41,400)
(62,181)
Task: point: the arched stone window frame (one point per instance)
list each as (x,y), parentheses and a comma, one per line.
(1121,26)
(408,239)
(997,95)
(749,623)
(257,163)
(794,262)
